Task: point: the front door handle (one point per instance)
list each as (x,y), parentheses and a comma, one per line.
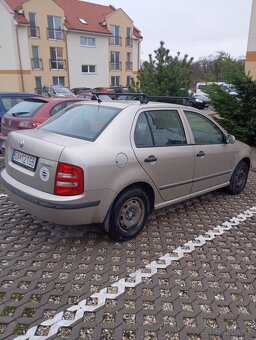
(150,158)
(200,154)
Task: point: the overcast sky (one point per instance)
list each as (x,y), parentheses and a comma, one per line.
(198,28)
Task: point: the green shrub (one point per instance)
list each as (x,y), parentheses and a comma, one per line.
(238,113)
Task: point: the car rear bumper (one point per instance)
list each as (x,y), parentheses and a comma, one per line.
(87,209)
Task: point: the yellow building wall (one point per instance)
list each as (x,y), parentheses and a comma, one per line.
(250,64)
(121,19)
(42,9)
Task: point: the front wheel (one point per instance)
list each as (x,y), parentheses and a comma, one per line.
(128,214)
(238,179)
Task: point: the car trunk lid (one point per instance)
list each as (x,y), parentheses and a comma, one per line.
(32,157)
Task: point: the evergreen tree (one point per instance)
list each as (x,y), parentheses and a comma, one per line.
(164,74)
(238,113)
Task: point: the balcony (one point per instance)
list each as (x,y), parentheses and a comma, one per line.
(128,42)
(37,64)
(128,66)
(57,64)
(115,66)
(54,34)
(33,32)
(115,41)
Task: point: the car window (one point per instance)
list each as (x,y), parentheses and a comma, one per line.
(25,108)
(142,134)
(159,128)
(9,102)
(61,106)
(204,130)
(84,122)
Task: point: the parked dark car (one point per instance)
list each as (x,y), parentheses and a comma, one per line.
(199,101)
(30,113)
(9,99)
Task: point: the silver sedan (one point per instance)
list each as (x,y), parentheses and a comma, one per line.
(112,163)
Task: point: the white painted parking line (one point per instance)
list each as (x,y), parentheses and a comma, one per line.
(97,300)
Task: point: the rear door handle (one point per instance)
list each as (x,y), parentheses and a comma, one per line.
(200,154)
(150,158)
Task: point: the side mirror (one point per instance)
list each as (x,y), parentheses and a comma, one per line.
(230,139)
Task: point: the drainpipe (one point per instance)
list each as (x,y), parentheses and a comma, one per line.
(66,45)
(19,55)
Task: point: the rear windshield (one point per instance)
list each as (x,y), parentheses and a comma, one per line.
(9,102)
(26,108)
(84,122)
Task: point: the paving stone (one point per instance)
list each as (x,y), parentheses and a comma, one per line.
(209,293)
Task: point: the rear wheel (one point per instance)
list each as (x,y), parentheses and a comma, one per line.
(238,179)
(128,214)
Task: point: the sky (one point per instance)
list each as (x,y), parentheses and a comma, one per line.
(199,28)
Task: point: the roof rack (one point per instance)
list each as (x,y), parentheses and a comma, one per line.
(144,99)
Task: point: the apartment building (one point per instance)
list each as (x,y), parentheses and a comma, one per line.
(250,64)
(68,42)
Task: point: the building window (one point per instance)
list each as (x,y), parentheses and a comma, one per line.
(37,63)
(115,64)
(88,68)
(128,65)
(58,81)
(115,81)
(128,81)
(128,40)
(33,29)
(57,62)
(54,28)
(39,85)
(115,39)
(88,42)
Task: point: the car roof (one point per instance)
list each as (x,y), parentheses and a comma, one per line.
(122,104)
(52,99)
(18,94)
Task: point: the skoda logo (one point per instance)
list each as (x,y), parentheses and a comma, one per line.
(21,143)
(44,174)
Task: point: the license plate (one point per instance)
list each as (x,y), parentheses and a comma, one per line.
(23,159)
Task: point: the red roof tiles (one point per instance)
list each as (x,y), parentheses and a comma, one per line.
(93,14)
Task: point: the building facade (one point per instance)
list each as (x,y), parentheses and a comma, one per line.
(250,64)
(67,42)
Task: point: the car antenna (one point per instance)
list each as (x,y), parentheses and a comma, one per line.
(96,97)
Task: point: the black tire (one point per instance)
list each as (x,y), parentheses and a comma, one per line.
(128,214)
(238,179)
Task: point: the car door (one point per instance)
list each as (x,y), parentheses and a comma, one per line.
(213,155)
(160,145)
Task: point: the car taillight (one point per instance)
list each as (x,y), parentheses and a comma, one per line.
(69,180)
(26,124)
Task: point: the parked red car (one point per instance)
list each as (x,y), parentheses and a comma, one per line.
(91,96)
(30,113)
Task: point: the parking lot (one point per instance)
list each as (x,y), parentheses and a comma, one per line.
(190,274)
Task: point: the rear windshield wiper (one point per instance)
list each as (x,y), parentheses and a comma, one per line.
(20,113)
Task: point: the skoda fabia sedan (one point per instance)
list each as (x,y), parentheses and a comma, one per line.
(113,163)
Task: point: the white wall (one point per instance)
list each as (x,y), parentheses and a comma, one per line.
(252,32)
(80,55)
(8,44)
